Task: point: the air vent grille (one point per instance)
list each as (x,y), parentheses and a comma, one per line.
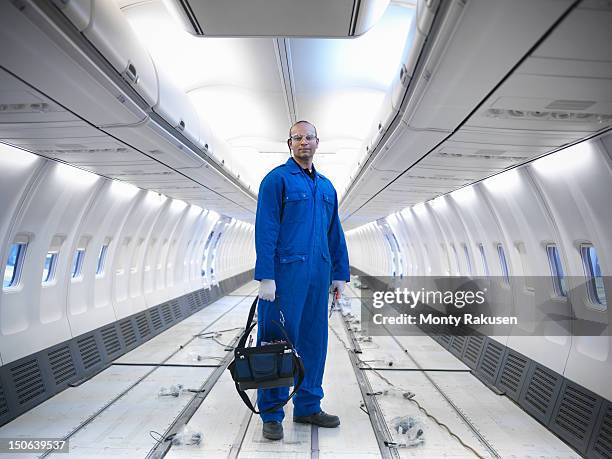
(26,108)
(575,414)
(128,332)
(445,340)
(193,304)
(166,313)
(89,351)
(457,345)
(176,309)
(541,392)
(3,403)
(62,365)
(110,340)
(28,381)
(602,446)
(489,152)
(476,155)
(512,372)
(491,360)
(79,149)
(472,350)
(143,325)
(156,319)
(555,116)
(566,104)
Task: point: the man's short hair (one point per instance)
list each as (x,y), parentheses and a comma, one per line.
(302,122)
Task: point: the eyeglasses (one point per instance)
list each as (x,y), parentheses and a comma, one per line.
(298,138)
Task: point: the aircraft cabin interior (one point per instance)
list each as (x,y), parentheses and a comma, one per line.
(469,146)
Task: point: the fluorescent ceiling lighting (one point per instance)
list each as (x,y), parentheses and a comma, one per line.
(420,208)
(14,158)
(123,189)
(465,195)
(178,205)
(73,175)
(565,161)
(504,182)
(156,198)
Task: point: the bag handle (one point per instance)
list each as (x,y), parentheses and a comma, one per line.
(298,365)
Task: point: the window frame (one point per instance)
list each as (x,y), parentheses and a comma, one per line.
(593,297)
(468,259)
(483,258)
(76,271)
(503,263)
(50,279)
(456,256)
(15,281)
(101,262)
(557,273)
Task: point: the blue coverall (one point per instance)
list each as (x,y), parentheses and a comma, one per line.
(300,244)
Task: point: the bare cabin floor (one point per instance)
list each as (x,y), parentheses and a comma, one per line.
(118,412)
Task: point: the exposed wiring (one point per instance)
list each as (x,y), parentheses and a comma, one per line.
(213,335)
(429,415)
(410,398)
(160,438)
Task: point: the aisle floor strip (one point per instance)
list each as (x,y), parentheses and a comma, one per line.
(381,430)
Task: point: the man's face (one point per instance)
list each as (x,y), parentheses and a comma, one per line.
(303,141)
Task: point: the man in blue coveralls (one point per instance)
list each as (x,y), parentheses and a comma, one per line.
(300,250)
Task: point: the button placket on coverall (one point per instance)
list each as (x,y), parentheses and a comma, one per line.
(300,244)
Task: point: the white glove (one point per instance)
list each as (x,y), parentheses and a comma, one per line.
(338,286)
(267,289)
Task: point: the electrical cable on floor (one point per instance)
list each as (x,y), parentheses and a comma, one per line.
(160,438)
(213,335)
(429,415)
(218,331)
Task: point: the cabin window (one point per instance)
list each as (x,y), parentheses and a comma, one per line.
(14,265)
(205,253)
(457,265)
(483,257)
(49,267)
(101,259)
(592,270)
(445,259)
(468,260)
(77,263)
(556,270)
(503,263)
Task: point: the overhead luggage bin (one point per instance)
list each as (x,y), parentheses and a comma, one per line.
(447,90)
(151,139)
(49,62)
(277,18)
(419,30)
(176,108)
(110,32)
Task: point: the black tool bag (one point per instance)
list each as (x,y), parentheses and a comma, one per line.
(274,364)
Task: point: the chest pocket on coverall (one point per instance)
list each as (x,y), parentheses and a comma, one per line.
(296,206)
(329,206)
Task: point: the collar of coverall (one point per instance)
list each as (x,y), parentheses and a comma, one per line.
(295,168)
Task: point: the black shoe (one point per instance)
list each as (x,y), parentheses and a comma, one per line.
(273,430)
(321,419)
